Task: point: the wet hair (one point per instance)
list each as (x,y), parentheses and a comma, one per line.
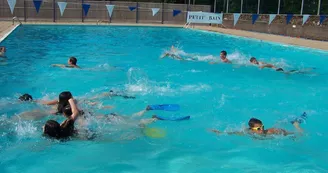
(67,111)
(252,59)
(63,101)
(25,97)
(73,60)
(224,52)
(52,129)
(3,48)
(254,121)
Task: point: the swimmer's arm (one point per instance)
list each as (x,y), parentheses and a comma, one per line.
(141,113)
(75,111)
(212,62)
(58,65)
(52,102)
(229,133)
(267,66)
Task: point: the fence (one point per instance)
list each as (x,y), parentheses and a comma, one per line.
(313,7)
(49,11)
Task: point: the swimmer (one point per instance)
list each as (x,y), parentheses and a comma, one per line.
(65,98)
(172,54)
(72,63)
(59,131)
(25,97)
(2,51)
(223,57)
(262,65)
(111,94)
(256,127)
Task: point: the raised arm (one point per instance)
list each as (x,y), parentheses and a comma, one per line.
(75,110)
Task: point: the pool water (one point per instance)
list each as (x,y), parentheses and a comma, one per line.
(221,96)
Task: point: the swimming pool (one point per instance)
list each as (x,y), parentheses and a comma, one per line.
(218,96)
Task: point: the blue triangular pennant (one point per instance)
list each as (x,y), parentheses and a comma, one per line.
(132,8)
(11,4)
(235,18)
(305,18)
(289,18)
(176,12)
(322,18)
(37,4)
(272,17)
(254,18)
(86,8)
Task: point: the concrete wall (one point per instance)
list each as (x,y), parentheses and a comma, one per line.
(25,10)
(310,30)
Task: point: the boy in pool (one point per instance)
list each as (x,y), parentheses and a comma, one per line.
(223,57)
(172,54)
(2,51)
(256,127)
(111,94)
(262,65)
(72,63)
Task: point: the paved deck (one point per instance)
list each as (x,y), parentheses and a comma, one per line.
(6,27)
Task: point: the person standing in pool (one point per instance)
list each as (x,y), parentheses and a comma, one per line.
(72,63)
(256,127)
(223,57)
(2,51)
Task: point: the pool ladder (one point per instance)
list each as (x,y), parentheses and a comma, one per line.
(15,18)
(99,22)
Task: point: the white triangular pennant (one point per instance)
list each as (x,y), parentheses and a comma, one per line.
(110,9)
(62,6)
(155,11)
(272,17)
(235,18)
(305,18)
(11,4)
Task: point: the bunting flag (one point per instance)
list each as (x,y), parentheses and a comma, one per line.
(155,11)
(254,18)
(289,18)
(176,12)
(322,18)
(86,8)
(235,18)
(272,17)
(11,4)
(132,8)
(62,6)
(37,4)
(110,9)
(305,18)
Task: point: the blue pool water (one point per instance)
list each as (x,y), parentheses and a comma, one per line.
(220,96)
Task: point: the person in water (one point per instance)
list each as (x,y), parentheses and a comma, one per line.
(256,127)
(2,51)
(262,65)
(72,63)
(65,98)
(60,131)
(112,93)
(223,57)
(172,54)
(25,97)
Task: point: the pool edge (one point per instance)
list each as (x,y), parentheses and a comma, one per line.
(8,32)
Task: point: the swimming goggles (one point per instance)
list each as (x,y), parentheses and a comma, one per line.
(258,128)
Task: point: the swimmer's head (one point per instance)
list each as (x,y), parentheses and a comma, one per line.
(223,54)
(72,61)
(25,97)
(3,49)
(253,60)
(67,111)
(255,124)
(63,100)
(52,129)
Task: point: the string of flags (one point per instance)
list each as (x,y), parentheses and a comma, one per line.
(85,7)
(289,17)
(110,9)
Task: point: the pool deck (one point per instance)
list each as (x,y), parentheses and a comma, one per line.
(7,27)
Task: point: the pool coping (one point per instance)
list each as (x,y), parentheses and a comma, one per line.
(270,38)
(7,32)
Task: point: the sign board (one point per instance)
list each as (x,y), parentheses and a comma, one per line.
(203,17)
